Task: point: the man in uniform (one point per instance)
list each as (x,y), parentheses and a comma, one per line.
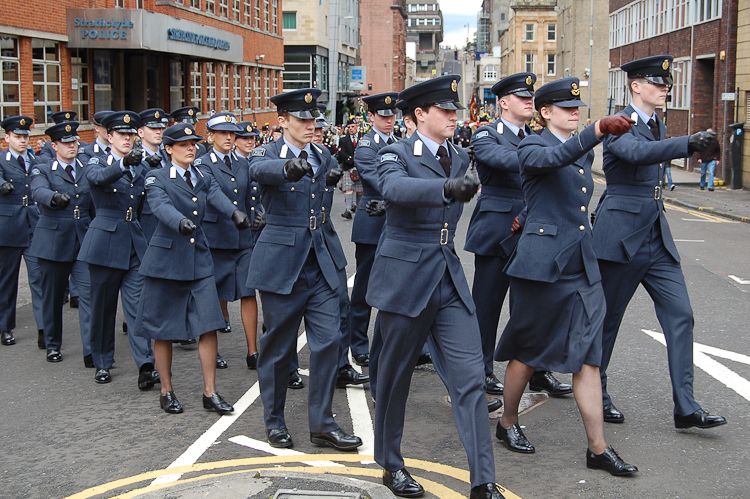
(17,228)
(347,146)
(294,270)
(632,239)
(100,147)
(114,247)
(153,122)
(489,235)
(62,194)
(47,154)
(418,285)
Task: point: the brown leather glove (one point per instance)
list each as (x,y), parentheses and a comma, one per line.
(615,125)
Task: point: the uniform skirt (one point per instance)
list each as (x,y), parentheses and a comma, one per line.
(554,326)
(231,268)
(178,310)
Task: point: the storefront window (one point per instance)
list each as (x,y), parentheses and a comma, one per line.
(196,84)
(46,70)
(224,86)
(297,71)
(10,97)
(210,88)
(321,72)
(80,82)
(176,84)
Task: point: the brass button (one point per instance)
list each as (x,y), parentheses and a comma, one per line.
(312,211)
(235,191)
(27,185)
(195,200)
(234,202)
(583,189)
(581,171)
(131,185)
(583,208)
(581,227)
(195,212)
(131,197)
(322,208)
(252,208)
(192,240)
(541,231)
(253,198)
(233,179)
(292,188)
(76,185)
(255,188)
(313,196)
(313,181)
(76,195)
(114,190)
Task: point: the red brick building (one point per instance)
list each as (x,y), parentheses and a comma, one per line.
(702,37)
(219,55)
(383,49)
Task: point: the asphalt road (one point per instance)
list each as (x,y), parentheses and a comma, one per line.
(60,433)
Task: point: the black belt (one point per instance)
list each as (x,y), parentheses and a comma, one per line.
(311,223)
(645,191)
(128,215)
(442,236)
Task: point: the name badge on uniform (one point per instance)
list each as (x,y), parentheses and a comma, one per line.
(259,152)
(481,134)
(366,143)
(388,157)
(150,180)
(35,171)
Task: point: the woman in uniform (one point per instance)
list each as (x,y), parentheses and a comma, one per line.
(178,268)
(557,299)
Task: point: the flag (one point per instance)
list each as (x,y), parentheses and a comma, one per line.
(473,111)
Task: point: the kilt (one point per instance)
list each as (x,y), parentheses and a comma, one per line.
(346,183)
(231,268)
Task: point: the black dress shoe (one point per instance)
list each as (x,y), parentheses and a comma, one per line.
(401,483)
(54,356)
(124,327)
(362,359)
(220,362)
(88,361)
(40,341)
(337,439)
(612,415)
(187,342)
(698,419)
(279,438)
(7,339)
(66,298)
(494,404)
(492,385)
(170,404)
(227,329)
(545,381)
(102,376)
(217,403)
(514,439)
(295,380)
(252,361)
(348,376)
(146,376)
(73,302)
(609,461)
(347,214)
(423,359)
(486,491)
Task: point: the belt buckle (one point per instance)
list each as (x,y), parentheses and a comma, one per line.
(313,222)
(657,192)
(443,237)
(25,201)
(76,213)
(129,215)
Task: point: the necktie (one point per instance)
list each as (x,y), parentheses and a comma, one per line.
(390,140)
(444,160)
(654,126)
(129,174)
(187,179)
(354,140)
(107,150)
(303,155)
(521,135)
(21,162)
(69,169)
(228,161)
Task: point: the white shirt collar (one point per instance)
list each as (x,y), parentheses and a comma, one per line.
(296,150)
(431,144)
(645,117)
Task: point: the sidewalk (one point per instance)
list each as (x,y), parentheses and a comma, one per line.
(723,201)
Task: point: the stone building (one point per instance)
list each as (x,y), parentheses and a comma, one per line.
(425,27)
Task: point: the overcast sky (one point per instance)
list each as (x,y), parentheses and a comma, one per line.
(456,15)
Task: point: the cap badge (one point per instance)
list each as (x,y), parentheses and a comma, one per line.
(665,64)
(308,98)
(67,128)
(188,131)
(454,85)
(190,112)
(126,118)
(156,115)
(22,122)
(249,128)
(228,118)
(528,80)
(388,99)
(574,89)
(67,116)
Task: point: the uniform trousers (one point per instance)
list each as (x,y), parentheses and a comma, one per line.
(453,336)
(313,300)
(106,282)
(360,315)
(55,277)
(661,276)
(488,291)
(10,265)
(345,326)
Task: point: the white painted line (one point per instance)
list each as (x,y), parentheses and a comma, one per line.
(361,419)
(350,281)
(689,241)
(713,368)
(196,450)
(264,447)
(738,280)
(701,220)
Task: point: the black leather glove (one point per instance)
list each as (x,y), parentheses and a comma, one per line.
(154,160)
(133,157)
(61,200)
(375,208)
(333,176)
(461,189)
(258,222)
(297,168)
(187,227)
(593,217)
(6,188)
(241,220)
(699,142)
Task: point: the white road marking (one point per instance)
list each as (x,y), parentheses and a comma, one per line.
(361,419)
(196,450)
(689,241)
(715,369)
(702,220)
(350,281)
(738,280)
(264,447)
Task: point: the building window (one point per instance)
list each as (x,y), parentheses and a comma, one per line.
(551,32)
(529,33)
(224,68)
(274,16)
(80,82)
(529,63)
(343,77)
(210,88)
(139,4)
(502,16)
(237,79)
(490,73)
(176,83)
(196,84)
(224,8)
(237,10)
(257,13)
(265,15)
(618,92)
(297,71)
(10,97)
(551,64)
(321,73)
(266,89)
(289,20)
(119,4)
(248,87)
(681,73)
(196,4)
(46,69)
(211,6)
(256,88)
(275,82)
(249,12)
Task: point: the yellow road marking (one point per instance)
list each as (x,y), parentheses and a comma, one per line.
(699,214)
